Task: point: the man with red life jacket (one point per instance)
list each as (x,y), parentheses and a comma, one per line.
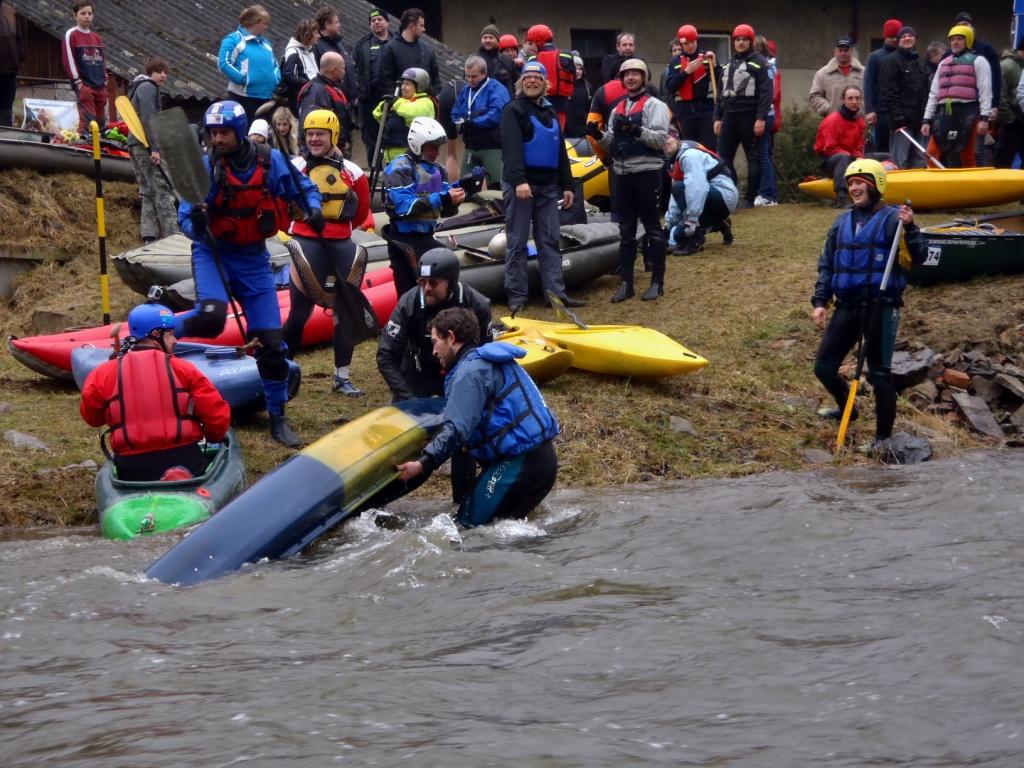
(345,193)
(157,407)
(703,195)
(559,67)
(688,89)
(636,141)
(958,102)
(250,188)
(744,101)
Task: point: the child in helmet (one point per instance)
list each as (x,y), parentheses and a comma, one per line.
(415,100)
(416,195)
(850,271)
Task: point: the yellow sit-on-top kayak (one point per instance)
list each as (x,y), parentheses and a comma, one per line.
(618,350)
(942,187)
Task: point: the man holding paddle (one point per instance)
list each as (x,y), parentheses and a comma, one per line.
(859,268)
(250,187)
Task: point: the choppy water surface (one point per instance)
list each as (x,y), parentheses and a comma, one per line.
(852,618)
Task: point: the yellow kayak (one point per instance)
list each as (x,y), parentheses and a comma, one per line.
(942,188)
(544,361)
(590,171)
(618,350)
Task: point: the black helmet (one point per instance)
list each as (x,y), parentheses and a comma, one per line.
(442,263)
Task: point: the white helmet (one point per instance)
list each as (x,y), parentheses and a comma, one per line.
(425,130)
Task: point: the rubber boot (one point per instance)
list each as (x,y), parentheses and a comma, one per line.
(282,431)
(625,291)
(653,292)
(276,393)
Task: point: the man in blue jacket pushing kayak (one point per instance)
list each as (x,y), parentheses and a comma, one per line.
(496,414)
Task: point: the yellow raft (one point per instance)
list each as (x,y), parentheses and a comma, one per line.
(588,169)
(617,350)
(942,187)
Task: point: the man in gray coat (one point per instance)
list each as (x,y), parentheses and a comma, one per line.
(831,81)
(159,211)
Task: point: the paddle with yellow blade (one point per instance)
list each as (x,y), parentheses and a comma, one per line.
(131,119)
(876,311)
(101,225)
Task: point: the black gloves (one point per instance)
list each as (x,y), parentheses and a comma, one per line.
(315,220)
(199,220)
(623,126)
(594,130)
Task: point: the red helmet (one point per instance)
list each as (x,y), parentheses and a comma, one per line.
(507,41)
(743,30)
(540,34)
(687,33)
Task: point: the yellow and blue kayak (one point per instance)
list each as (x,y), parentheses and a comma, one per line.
(617,350)
(336,477)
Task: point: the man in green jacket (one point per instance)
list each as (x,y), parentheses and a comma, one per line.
(1010,140)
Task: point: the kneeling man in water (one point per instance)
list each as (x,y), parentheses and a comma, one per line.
(496,414)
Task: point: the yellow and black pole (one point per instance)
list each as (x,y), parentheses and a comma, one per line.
(101,226)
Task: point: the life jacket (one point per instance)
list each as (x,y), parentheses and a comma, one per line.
(334,181)
(630,146)
(676,170)
(738,79)
(516,419)
(427,179)
(859,260)
(245,212)
(541,151)
(149,410)
(686,90)
(560,81)
(958,79)
(339,104)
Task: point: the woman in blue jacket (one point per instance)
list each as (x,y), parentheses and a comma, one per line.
(247,58)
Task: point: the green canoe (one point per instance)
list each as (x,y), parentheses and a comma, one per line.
(963,248)
(129,509)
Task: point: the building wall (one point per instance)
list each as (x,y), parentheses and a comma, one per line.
(805,32)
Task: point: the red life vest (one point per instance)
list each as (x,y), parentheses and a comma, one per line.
(149,410)
(685,92)
(560,80)
(676,169)
(245,213)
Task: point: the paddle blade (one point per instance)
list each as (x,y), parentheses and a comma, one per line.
(307,281)
(354,315)
(358,271)
(181,154)
(847,413)
(131,118)
(563,311)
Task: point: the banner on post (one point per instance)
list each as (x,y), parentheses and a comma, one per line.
(50,116)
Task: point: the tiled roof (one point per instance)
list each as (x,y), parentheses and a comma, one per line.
(187,33)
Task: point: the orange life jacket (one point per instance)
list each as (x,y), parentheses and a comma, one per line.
(560,80)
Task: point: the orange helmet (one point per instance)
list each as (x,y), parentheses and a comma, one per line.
(540,34)
(687,33)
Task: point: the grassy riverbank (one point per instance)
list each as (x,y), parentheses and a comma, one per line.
(746,308)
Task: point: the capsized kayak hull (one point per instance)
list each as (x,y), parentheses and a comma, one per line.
(929,188)
(962,249)
(616,350)
(304,498)
(129,509)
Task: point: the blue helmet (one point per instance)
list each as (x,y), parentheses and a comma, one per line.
(227,114)
(146,318)
(536,67)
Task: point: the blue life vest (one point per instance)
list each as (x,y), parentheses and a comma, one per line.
(517,419)
(860,257)
(542,150)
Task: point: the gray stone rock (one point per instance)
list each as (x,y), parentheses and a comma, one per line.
(817,456)
(923,394)
(5,407)
(679,424)
(88,465)
(1011,384)
(985,388)
(22,441)
(910,368)
(977,414)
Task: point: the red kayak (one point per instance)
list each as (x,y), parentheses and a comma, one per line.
(51,355)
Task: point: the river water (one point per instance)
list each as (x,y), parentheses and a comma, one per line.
(861,617)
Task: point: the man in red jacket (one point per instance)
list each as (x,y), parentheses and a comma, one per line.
(86,67)
(156,406)
(840,140)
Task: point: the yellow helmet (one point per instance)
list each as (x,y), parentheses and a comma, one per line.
(870,169)
(965,31)
(325,120)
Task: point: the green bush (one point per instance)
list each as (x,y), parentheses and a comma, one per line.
(794,153)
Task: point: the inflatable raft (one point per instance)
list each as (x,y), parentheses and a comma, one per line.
(963,248)
(315,490)
(61,158)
